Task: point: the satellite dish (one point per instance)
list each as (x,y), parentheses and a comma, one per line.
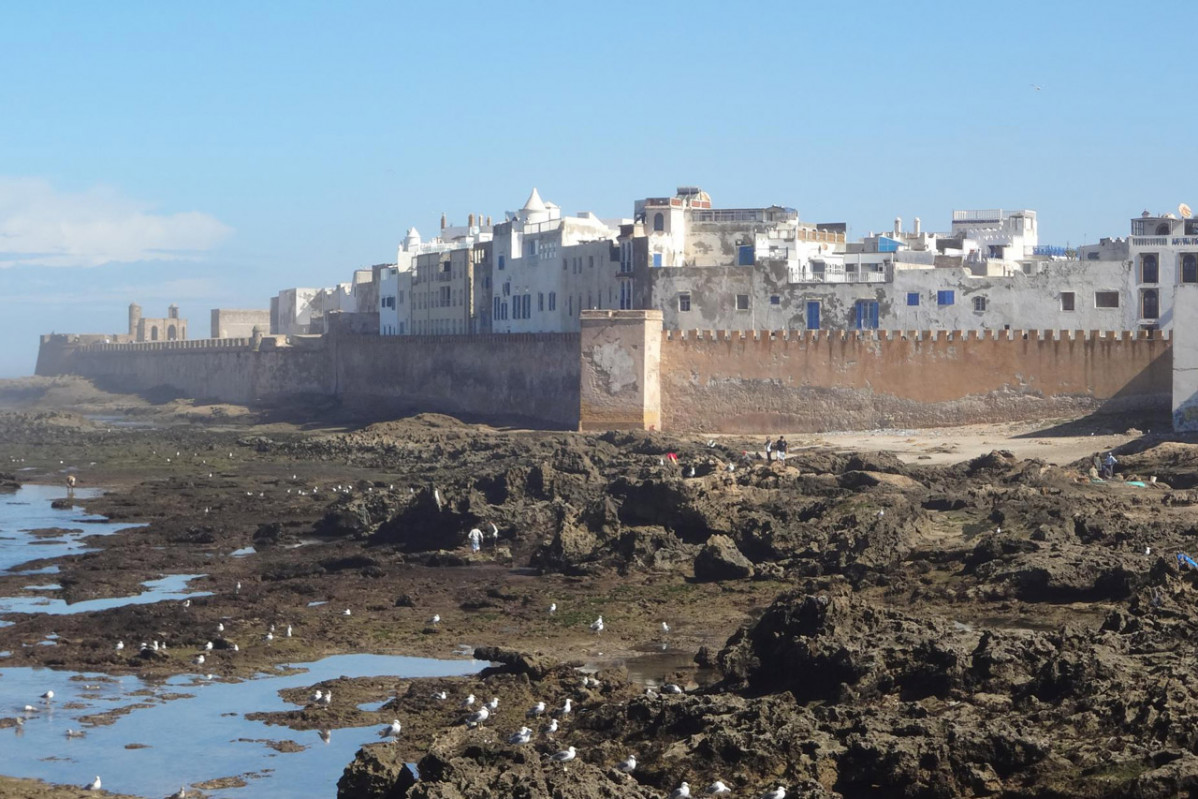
(1184,211)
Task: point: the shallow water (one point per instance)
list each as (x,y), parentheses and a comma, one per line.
(173,586)
(192,729)
(28,508)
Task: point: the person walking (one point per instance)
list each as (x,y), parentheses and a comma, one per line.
(781,447)
(476,539)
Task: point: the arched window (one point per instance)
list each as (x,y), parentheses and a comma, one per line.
(154,333)
(659,222)
(1162,229)
(1189,267)
(170,333)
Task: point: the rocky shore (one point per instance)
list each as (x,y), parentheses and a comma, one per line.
(841,624)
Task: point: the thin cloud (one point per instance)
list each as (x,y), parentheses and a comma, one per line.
(41,226)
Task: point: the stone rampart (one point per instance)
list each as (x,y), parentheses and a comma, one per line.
(737,381)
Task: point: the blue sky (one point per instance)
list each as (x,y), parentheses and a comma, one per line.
(211,154)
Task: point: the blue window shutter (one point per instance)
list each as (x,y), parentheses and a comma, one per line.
(657,259)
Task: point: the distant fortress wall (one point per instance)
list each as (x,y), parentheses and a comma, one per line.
(623,371)
(530,378)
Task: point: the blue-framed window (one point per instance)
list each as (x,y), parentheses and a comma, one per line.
(813,314)
(867,314)
(657,259)
(913,298)
(501,262)
(744,255)
(946,297)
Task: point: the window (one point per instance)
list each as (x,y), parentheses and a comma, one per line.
(626,295)
(867,314)
(1150,271)
(912,298)
(946,297)
(553,300)
(540,301)
(813,314)
(1189,267)
(744,255)
(979,303)
(684,301)
(591,261)
(775,299)
(657,259)
(1068,300)
(659,222)
(570,305)
(1150,304)
(1106,299)
(742,302)
(589,303)
(565,264)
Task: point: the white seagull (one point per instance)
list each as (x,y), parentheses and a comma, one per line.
(391,730)
(220,626)
(440,695)
(94,785)
(493,705)
(665,628)
(478,717)
(777,793)
(565,709)
(536,710)
(597,625)
(671,688)
(682,791)
(551,727)
(552,608)
(347,612)
(520,737)
(627,765)
(435,620)
(565,756)
(199,660)
(316,697)
(208,647)
(48,695)
(718,787)
(468,701)
(120,645)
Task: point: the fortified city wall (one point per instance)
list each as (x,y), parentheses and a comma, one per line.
(623,372)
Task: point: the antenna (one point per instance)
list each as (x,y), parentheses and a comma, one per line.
(1184,211)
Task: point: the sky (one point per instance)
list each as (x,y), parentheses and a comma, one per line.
(212,154)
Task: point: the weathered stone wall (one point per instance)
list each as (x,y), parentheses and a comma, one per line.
(1185,359)
(530,378)
(620,355)
(790,381)
(239,322)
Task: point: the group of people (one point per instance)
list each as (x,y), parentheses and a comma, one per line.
(776,450)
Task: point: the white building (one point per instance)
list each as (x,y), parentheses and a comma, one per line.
(547,267)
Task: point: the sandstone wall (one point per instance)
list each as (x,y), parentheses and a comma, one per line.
(529,379)
(806,381)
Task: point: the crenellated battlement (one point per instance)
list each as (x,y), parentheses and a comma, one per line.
(916,335)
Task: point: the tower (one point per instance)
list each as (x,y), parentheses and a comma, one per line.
(134,318)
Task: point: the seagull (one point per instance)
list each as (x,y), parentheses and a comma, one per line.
(48,695)
(94,785)
(551,727)
(440,695)
(325,736)
(288,630)
(682,791)
(536,710)
(120,645)
(718,787)
(220,626)
(268,637)
(208,647)
(316,697)
(199,660)
(347,612)
(665,628)
(493,705)
(597,625)
(627,765)
(690,472)
(671,688)
(552,608)
(182,793)
(186,603)
(565,709)
(327,699)
(435,620)
(522,736)
(1147,550)
(75,733)
(881,513)
(478,717)
(777,793)
(391,730)
(468,701)
(564,756)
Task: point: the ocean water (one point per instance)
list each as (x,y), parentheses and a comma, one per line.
(180,731)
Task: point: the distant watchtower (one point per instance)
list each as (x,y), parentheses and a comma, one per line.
(134,318)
